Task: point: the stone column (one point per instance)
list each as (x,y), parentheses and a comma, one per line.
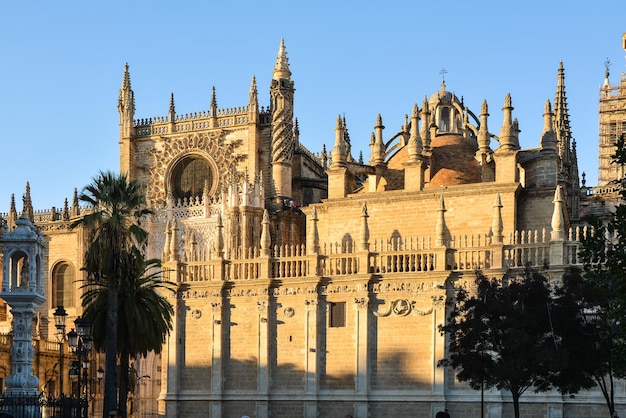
(217,370)
(310,358)
(362,357)
(263,373)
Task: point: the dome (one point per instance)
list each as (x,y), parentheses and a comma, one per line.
(453,162)
(443,96)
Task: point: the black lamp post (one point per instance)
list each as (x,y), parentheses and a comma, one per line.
(80,342)
(59,322)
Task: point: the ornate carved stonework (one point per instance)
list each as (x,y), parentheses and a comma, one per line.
(403,307)
(212,146)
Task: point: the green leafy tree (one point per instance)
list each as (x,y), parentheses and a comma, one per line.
(114,227)
(586,337)
(145,315)
(603,255)
(500,334)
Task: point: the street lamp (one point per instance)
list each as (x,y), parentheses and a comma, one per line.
(81,343)
(59,322)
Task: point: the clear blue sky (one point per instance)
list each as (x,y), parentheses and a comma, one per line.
(62,65)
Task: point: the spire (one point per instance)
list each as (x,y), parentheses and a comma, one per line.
(28,204)
(415,141)
(484,138)
(253,101)
(66,210)
(339,153)
(509,129)
(296,133)
(561,118)
(346,140)
(12,214)
(172,111)
(75,211)
(378,147)
(281,68)
(425,129)
(281,98)
(213,106)
(126,104)
(548,136)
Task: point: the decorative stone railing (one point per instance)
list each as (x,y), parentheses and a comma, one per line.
(388,257)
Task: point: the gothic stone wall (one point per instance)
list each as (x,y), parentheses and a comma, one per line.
(288,343)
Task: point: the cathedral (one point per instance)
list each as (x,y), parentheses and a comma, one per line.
(313,284)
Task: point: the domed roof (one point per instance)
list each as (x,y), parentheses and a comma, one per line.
(453,162)
(443,96)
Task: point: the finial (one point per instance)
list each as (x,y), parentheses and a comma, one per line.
(253,88)
(607,65)
(281,68)
(172,107)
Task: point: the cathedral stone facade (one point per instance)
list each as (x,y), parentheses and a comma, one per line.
(330,306)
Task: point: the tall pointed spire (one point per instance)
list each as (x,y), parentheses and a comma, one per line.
(126,104)
(126,110)
(561,118)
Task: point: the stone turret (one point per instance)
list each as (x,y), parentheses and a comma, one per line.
(281,96)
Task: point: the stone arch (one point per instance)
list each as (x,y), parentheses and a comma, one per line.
(212,146)
(63,277)
(179,171)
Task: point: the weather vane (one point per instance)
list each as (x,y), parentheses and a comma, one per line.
(443,73)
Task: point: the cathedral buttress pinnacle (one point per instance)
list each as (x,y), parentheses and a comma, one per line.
(126,104)
(282,139)
(561,118)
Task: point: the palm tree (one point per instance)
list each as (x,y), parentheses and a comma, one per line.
(114,223)
(144,317)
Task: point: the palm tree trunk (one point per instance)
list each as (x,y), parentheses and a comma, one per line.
(110,376)
(124,370)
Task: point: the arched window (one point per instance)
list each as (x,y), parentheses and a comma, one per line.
(63,285)
(189,175)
